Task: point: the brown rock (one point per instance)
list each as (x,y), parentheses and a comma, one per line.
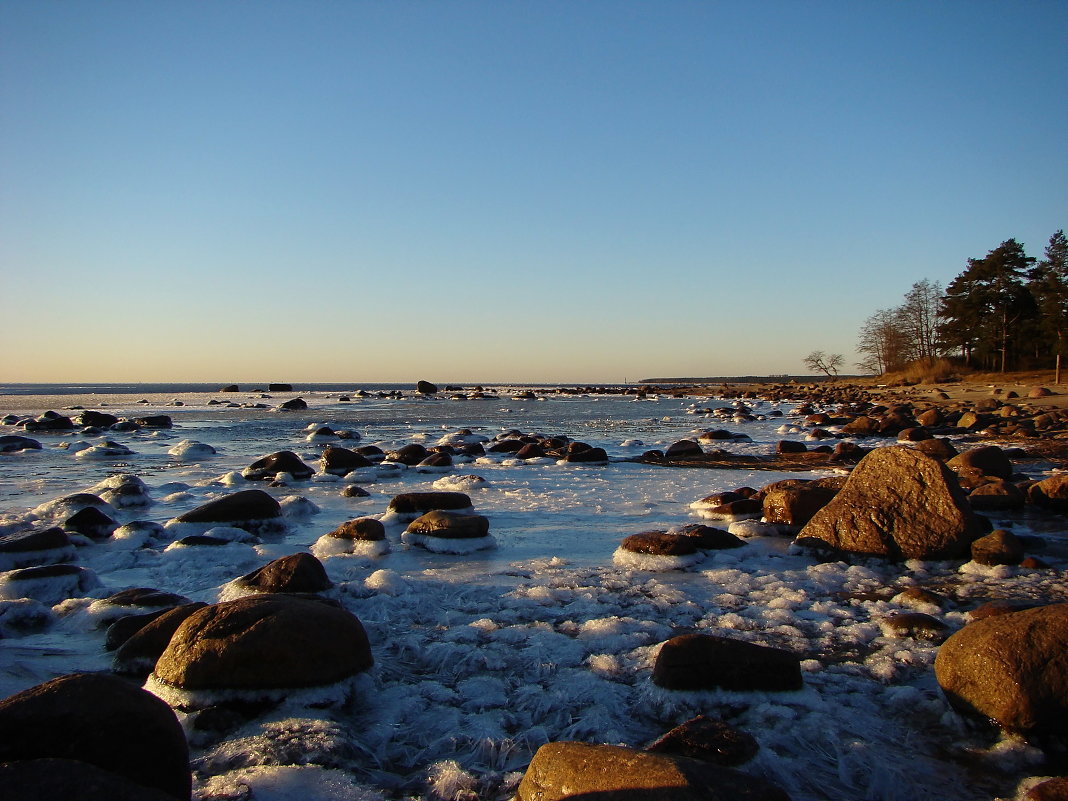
(1055,789)
(450,525)
(999,547)
(101,720)
(660,543)
(265,642)
(420,502)
(899,504)
(569,770)
(362,528)
(709,740)
(706,662)
(138,653)
(795,505)
(683,449)
(996,493)
(298,572)
(1051,493)
(938,448)
(1011,668)
(271,465)
(990,460)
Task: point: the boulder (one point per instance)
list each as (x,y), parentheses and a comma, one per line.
(417,503)
(989,460)
(787,446)
(1011,668)
(996,493)
(263,644)
(707,538)
(368,529)
(411,454)
(709,740)
(794,502)
(354,491)
(32,548)
(294,405)
(9,443)
(90,522)
(449,525)
(683,449)
(299,572)
(342,461)
(862,426)
(426,388)
(1050,493)
(1039,392)
(898,504)
(48,584)
(137,651)
(271,465)
(252,510)
(101,720)
(592,455)
(999,547)
(279,387)
(71,780)
(154,421)
(660,543)
(571,770)
(708,662)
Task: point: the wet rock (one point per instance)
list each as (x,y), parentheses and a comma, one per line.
(913,624)
(32,548)
(707,662)
(139,649)
(795,502)
(938,448)
(252,510)
(707,538)
(787,446)
(414,504)
(1011,668)
(299,572)
(996,494)
(1050,493)
(411,454)
(10,443)
(103,721)
(683,449)
(571,770)
(449,525)
(263,644)
(155,421)
(342,461)
(989,460)
(48,584)
(999,547)
(294,405)
(898,504)
(271,465)
(589,455)
(708,740)
(49,421)
(660,543)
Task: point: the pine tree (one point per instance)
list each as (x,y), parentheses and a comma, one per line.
(1048,285)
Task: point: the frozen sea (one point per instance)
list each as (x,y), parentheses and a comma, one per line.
(481,658)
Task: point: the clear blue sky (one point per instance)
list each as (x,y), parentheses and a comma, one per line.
(537,191)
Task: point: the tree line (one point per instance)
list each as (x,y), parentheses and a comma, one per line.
(1005,311)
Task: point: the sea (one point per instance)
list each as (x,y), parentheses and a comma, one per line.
(549,634)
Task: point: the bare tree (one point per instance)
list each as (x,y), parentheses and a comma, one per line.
(884,342)
(827,363)
(918,319)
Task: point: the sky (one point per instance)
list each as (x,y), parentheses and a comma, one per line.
(550,191)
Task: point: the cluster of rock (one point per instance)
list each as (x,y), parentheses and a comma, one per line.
(88,422)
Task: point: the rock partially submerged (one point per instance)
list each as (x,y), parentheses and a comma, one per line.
(252,510)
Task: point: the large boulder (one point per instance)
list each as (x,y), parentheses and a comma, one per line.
(898,504)
(574,770)
(252,510)
(101,720)
(1011,668)
(989,460)
(138,653)
(425,388)
(708,662)
(262,644)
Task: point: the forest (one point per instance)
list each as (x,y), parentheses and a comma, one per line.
(1005,311)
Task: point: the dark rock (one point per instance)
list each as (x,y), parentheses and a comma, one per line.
(362,528)
(709,740)
(786,446)
(230,388)
(354,491)
(683,449)
(294,405)
(125,627)
(1050,493)
(989,460)
(271,465)
(420,502)
(706,662)
(999,607)
(240,509)
(996,494)
(426,388)
(90,522)
(449,525)
(138,652)
(1011,668)
(938,448)
(10,443)
(155,421)
(914,624)
(660,543)
(101,720)
(1055,789)
(999,547)
(299,572)
(279,387)
(265,642)
(411,454)
(708,538)
(342,461)
(591,455)
(96,419)
(202,539)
